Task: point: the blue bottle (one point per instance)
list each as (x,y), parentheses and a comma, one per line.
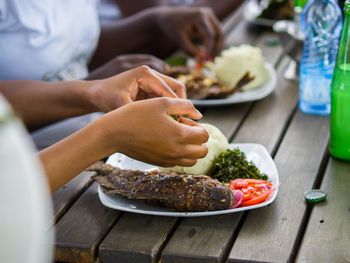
(321,23)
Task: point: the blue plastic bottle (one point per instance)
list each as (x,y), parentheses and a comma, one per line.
(321,23)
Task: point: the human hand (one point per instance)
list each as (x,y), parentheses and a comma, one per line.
(145,131)
(186,25)
(136,84)
(126,62)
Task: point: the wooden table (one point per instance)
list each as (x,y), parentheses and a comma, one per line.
(288,230)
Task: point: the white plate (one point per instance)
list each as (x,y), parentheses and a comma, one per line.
(245,96)
(255,152)
(251,12)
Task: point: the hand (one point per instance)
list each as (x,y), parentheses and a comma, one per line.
(136,84)
(126,62)
(145,131)
(185,25)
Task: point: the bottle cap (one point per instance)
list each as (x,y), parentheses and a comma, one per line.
(315,196)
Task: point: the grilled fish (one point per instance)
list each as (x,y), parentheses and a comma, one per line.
(178,192)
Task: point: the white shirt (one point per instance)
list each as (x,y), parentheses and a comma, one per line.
(47,39)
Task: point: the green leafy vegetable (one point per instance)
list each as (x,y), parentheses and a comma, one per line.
(232,164)
(176,60)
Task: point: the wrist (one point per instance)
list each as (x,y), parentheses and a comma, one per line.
(82,91)
(106,134)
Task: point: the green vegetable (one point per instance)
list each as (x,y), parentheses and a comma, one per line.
(232,164)
(176,60)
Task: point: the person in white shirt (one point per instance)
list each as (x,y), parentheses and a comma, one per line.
(63,40)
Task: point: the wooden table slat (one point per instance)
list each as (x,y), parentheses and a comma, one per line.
(203,239)
(64,197)
(269,234)
(327,237)
(83,227)
(269,117)
(136,238)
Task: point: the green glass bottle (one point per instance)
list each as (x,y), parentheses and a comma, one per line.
(300,3)
(340,95)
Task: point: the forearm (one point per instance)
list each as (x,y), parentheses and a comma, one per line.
(130,35)
(67,158)
(39,103)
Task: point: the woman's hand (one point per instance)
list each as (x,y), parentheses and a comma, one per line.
(188,25)
(123,63)
(145,131)
(136,84)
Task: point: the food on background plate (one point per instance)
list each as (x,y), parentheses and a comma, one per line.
(235,62)
(236,69)
(178,192)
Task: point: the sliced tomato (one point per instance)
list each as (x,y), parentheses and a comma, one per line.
(238,184)
(255,191)
(258,198)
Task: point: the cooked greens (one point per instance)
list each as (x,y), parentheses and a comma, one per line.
(232,164)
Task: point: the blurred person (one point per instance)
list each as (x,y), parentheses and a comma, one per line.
(63,40)
(60,40)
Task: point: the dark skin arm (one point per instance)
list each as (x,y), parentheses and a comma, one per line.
(124,37)
(159,31)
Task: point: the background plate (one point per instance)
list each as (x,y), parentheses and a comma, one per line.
(249,95)
(255,152)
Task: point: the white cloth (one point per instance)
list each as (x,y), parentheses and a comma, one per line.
(26,211)
(50,40)
(108,11)
(47,39)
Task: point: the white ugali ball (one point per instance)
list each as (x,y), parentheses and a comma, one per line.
(235,62)
(217,143)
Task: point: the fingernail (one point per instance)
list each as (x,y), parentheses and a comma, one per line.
(200,114)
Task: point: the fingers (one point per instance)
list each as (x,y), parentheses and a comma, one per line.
(175,85)
(194,135)
(182,107)
(207,33)
(219,41)
(187,43)
(150,82)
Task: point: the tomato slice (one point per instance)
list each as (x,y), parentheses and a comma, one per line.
(238,184)
(255,191)
(258,199)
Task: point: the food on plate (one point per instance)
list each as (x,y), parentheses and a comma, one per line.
(202,85)
(234,63)
(250,191)
(206,186)
(178,192)
(232,164)
(216,144)
(277,9)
